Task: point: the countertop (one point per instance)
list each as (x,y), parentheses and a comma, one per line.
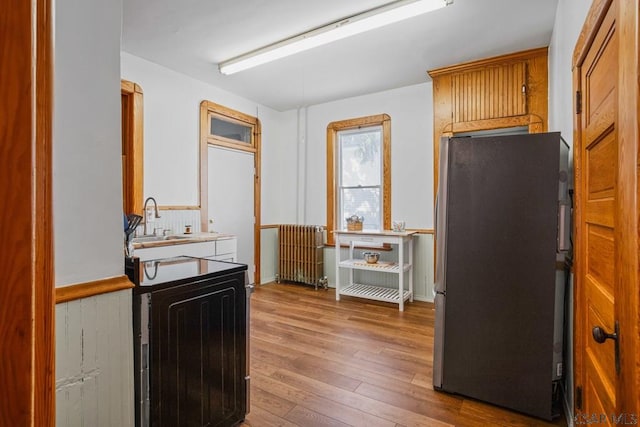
(162,273)
(182,239)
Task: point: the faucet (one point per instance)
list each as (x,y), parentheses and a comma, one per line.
(144,213)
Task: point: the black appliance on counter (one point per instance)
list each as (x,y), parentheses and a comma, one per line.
(502,223)
(191,341)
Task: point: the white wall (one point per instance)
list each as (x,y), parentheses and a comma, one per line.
(411,112)
(93,335)
(172,135)
(570,16)
(279,171)
(87,194)
(301,197)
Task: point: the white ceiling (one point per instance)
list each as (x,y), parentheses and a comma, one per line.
(192,36)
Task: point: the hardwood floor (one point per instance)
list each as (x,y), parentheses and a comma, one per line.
(319,362)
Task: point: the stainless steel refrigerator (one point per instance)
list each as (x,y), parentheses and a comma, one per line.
(502,223)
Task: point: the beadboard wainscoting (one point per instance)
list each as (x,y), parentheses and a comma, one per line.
(94,361)
(423,265)
(268,253)
(175,220)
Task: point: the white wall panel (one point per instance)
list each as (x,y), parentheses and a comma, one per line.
(87,174)
(570,16)
(278,167)
(94,361)
(268,255)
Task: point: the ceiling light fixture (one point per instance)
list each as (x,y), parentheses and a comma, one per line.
(374,18)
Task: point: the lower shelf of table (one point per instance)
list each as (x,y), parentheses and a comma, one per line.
(378,293)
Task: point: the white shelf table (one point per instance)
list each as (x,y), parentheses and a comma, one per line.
(370,238)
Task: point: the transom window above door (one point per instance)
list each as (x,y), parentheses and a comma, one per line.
(229,128)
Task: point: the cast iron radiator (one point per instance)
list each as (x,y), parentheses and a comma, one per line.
(301,253)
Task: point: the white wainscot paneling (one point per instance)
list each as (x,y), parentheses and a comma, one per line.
(268,255)
(94,361)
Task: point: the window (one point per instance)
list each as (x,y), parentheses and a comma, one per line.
(225,127)
(359,172)
(360,176)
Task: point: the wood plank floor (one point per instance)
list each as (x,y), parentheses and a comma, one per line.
(319,362)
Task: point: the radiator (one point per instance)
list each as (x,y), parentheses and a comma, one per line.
(301,253)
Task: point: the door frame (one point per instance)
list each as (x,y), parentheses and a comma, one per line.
(627,290)
(132,146)
(208,108)
(27,291)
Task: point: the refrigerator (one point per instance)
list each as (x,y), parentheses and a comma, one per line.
(502,232)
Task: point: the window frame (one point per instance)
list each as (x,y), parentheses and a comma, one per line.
(333,128)
(209,109)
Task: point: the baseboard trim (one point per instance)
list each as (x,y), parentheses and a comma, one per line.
(267,280)
(90,289)
(423,299)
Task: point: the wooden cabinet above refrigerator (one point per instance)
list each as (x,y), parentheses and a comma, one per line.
(501,92)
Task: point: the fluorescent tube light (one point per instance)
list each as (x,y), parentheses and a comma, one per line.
(374,18)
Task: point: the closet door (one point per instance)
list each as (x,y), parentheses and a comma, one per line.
(607,358)
(231,198)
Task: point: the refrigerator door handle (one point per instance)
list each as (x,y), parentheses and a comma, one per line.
(564,226)
(435,237)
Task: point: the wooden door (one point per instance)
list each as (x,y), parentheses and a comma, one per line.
(606,289)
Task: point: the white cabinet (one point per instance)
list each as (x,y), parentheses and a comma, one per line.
(222,249)
(403,241)
(226,250)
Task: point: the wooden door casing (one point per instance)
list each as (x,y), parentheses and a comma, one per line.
(606,175)
(132,147)
(27,291)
